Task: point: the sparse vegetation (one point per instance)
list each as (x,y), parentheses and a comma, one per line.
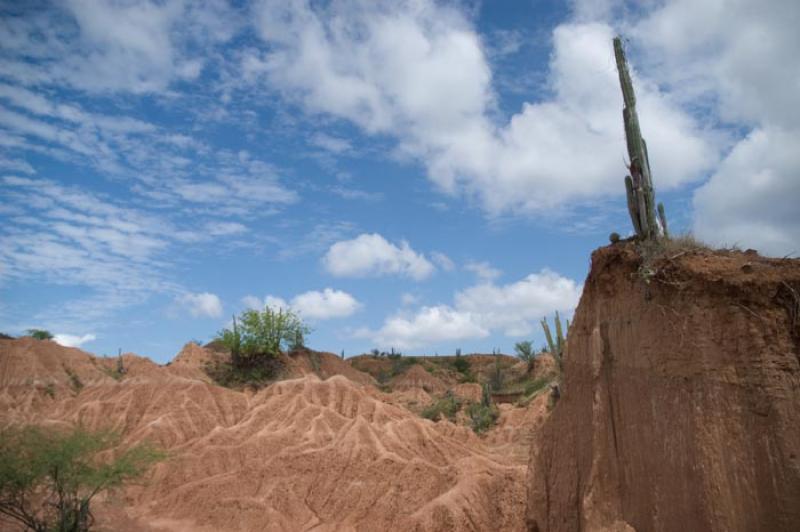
(483,415)
(558,345)
(40,334)
(639,184)
(448,406)
(526,352)
(462,365)
(496,378)
(255,342)
(256,376)
(48,479)
(74,380)
(262,334)
(314,358)
(50,390)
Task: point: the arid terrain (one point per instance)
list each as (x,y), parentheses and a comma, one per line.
(678,411)
(323,449)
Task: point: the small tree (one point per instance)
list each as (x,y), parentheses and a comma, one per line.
(40,334)
(526,352)
(48,479)
(261,335)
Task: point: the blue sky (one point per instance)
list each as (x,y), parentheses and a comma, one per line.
(412,174)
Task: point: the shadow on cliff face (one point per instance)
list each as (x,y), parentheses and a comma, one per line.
(681,403)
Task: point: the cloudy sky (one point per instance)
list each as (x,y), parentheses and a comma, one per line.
(413,174)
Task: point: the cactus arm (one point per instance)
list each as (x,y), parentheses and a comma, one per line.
(663,219)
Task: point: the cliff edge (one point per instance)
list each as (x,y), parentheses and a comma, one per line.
(681,400)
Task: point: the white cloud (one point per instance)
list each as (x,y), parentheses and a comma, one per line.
(742,64)
(483,270)
(326,304)
(428,325)
(516,307)
(101,45)
(752,199)
(225,228)
(314,304)
(330,143)
(71,340)
(418,71)
(512,309)
(443,261)
(202,304)
(371,254)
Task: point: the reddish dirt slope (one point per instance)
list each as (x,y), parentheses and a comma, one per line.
(681,407)
(302,454)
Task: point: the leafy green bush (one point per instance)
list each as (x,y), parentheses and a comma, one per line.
(448,406)
(461,365)
(262,334)
(48,479)
(525,352)
(483,415)
(40,334)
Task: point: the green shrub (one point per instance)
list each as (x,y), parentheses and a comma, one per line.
(262,334)
(525,352)
(482,417)
(461,365)
(40,334)
(48,479)
(448,406)
(253,376)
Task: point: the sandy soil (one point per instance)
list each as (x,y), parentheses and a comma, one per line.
(322,450)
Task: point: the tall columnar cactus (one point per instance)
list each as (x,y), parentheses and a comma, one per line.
(556,346)
(639,184)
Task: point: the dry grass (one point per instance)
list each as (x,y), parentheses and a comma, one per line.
(670,248)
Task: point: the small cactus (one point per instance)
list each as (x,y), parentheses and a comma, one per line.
(557,346)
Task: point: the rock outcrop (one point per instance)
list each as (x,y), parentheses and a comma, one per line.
(681,401)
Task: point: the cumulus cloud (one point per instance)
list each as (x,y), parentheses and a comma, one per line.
(418,71)
(204,304)
(480,310)
(744,62)
(751,200)
(372,255)
(514,308)
(314,304)
(428,325)
(71,340)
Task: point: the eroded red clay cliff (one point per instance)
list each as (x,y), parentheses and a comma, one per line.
(681,408)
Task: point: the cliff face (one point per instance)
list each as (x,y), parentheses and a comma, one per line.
(681,407)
